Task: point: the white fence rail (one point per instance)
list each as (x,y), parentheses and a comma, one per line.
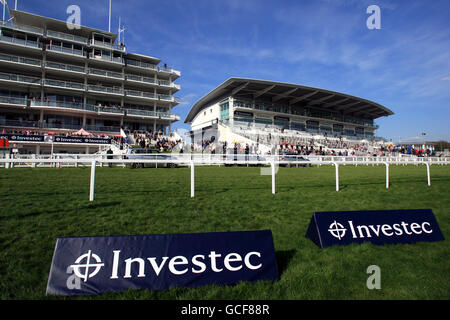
(193,160)
(58,160)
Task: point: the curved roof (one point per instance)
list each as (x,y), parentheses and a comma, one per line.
(290,94)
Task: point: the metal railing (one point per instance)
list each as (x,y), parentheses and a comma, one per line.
(71,51)
(192,161)
(66,67)
(230,158)
(65,36)
(101,109)
(20,78)
(106,73)
(21,60)
(64,84)
(150,66)
(107,45)
(103,89)
(21,27)
(281,110)
(106,58)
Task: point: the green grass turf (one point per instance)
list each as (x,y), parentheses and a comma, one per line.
(39,205)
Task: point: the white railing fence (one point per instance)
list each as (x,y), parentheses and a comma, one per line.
(192,160)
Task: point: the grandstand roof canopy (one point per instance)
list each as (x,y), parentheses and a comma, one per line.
(34,20)
(290,94)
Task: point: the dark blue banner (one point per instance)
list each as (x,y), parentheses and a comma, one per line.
(378,227)
(93,265)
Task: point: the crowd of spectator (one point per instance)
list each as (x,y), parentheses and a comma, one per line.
(408,150)
(149,139)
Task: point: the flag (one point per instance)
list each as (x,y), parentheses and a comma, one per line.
(3,2)
(122,133)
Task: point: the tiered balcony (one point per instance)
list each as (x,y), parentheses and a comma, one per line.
(22,102)
(24,28)
(16,78)
(103,58)
(285,111)
(65,84)
(68,37)
(106,45)
(86,108)
(149,66)
(64,67)
(20,60)
(70,51)
(20,42)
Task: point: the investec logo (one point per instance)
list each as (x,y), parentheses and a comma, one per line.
(339,230)
(89,264)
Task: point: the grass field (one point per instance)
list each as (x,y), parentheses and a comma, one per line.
(39,205)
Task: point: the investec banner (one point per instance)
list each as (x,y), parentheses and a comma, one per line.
(29,138)
(82,140)
(93,265)
(378,227)
(22,138)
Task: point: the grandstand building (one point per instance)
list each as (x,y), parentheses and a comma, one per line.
(267,113)
(54,81)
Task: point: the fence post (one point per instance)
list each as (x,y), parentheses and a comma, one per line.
(337,175)
(272,164)
(428,174)
(192,179)
(387,175)
(91,191)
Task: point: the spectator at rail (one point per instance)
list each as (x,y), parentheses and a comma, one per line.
(109,156)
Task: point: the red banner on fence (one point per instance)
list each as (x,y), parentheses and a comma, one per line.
(4,143)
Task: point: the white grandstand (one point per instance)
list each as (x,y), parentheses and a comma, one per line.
(274,118)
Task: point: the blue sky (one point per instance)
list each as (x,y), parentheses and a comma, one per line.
(404,66)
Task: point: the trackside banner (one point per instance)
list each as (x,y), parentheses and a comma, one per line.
(378,227)
(93,265)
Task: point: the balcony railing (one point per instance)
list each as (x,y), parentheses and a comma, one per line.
(153,114)
(150,66)
(141,64)
(20,78)
(25,28)
(65,36)
(22,42)
(106,58)
(13,100)
(66,67)
(21,60)
(64,105)
(105,73)
(141,94)
(64,84)
(55,125)
(305,114)
(103,89)
(102,44)
(130,77)
(72,51)
(101,109)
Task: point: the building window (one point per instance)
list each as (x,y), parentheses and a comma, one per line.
(225,110)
